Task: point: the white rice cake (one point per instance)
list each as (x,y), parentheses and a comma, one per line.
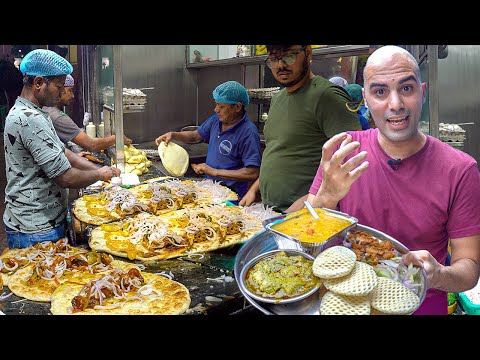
(392,297)
(334,262)
(334,304)
(360,282)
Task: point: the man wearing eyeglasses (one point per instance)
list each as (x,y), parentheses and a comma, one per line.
(302,117)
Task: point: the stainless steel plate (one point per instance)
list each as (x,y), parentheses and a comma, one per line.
(266,241)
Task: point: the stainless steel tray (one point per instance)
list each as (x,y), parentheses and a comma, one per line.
(266,241)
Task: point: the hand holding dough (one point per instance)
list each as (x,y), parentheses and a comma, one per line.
(174,158)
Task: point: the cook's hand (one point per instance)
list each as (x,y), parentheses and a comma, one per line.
(337,176)
(126,140)
(165,137)
(107,172)
(203,168)
(425,260)
(195,168)
(248,199)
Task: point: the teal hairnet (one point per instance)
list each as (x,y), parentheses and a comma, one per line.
(43,62)
(231,92)
(355,92)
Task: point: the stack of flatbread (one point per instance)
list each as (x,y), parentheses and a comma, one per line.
(353,287)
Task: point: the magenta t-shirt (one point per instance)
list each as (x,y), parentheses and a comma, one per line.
(432,196)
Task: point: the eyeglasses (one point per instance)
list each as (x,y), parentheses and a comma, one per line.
(288,59)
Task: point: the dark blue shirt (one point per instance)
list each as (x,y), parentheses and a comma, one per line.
(363,119)
(233,149)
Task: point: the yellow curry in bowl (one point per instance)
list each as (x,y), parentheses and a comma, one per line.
(302,226)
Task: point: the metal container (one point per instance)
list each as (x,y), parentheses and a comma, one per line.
(266,241)
(267,255)
(286,241)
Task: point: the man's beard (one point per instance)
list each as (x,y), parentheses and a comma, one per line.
(49,100)
(305,70)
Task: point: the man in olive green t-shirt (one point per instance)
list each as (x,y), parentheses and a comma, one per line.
(302,117)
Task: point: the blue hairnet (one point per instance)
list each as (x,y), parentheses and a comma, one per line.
(43,62)
(231,92)
(69,81)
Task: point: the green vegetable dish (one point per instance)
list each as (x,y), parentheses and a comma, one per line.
(281,277)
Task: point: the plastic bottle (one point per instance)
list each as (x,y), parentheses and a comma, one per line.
(91,130)
(86,118)
(70,230)
(101,129)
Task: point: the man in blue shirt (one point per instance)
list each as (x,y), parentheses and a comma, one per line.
(234,152)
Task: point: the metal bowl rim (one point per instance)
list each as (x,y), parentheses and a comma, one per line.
(252,262)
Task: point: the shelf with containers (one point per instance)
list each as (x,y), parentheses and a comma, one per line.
(221,55)
(112,94)
(208,55)
(262,98)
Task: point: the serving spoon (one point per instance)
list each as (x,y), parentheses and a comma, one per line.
(312,210)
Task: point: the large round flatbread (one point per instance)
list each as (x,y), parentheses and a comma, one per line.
(335,304)
(334,262)
(97,201)
(80,211)
(125,246)
(360,282)
(126,249)
(174,299)
(392,297)
(21,255)
(98,242)
(174,158)
(10,253)
(42,289)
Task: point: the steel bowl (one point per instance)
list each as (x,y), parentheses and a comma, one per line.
(266,255)
(285,241)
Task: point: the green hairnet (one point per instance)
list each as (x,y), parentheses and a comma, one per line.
(355,92)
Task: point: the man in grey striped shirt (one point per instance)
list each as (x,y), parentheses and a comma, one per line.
(37,165)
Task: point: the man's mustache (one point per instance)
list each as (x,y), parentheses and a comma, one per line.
(390,114)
